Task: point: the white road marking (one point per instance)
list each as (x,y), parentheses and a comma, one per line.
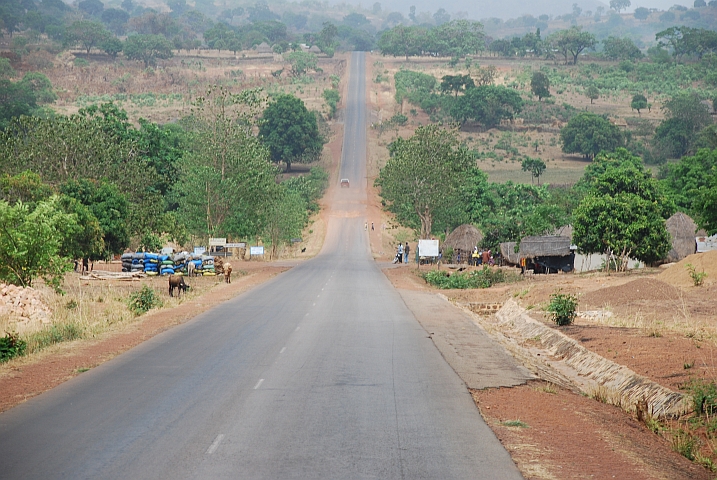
(258,384)
(282,350)
(215,444)
(297,328)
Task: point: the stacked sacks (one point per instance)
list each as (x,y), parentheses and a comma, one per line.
(126,262)
(137,262)
(208,266)
(180,262)
(166,265)
(151,263)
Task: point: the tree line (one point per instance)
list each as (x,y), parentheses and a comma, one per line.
(90,185)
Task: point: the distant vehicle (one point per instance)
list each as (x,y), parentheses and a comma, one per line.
(344,182)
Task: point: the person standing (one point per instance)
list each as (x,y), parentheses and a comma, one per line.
(406,250)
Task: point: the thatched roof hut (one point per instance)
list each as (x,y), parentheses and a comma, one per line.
(507,251)
(263,47)
(682,229)
(465,238)
(546,246)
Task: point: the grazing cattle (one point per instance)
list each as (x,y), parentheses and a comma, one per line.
(190,269)
(228,272)
(176,281)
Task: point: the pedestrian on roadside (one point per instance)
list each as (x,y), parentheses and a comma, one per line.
(365,226)
(406,250)
(486,256)
(372,226)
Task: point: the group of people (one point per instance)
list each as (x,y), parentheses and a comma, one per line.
(402,253)
(482,257)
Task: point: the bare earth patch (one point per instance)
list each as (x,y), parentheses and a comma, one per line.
(655,323)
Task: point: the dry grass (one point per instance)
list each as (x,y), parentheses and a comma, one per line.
(90,309)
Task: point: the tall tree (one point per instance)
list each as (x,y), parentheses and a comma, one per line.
(540,85)
(290,131)
(424,175)
(572,42)
(624,213)
(86,33)
(639,102)
(620,5)
(487,104)
(147,48)
(589,134)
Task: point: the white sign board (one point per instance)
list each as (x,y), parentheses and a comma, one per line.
(705,244)
(256,250)
(428,248)
(217,242)
(236,245)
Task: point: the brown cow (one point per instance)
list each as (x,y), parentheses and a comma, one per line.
(228,272)
(177,281)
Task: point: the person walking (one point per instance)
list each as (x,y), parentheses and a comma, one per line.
(372,226)
(406,250)
(399,254)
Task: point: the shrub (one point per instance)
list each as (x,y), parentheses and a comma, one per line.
(11,346)
(485,278)
(57,333)
(698,278)
(563,307)
(704,397)
(144,300)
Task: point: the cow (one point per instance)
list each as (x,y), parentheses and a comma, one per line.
(190,268)
(177,281)
(228,272)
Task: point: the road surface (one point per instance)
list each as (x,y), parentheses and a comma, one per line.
(322,372)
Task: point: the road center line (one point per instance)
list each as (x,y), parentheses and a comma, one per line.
(258,384)
(215,444)
(283,350)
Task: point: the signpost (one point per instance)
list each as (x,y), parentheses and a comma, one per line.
(217,242)
(256,251)
(235,245)
(199,250)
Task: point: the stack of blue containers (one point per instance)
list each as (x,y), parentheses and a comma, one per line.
(151,263)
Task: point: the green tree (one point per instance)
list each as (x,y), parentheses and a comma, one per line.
(301,62)
(589,134)
(572,42)
(31,241)
(327,39)
(487,104)
(85,33)
(456,83)
(111,209)
(685,179)
(639,102)
(112,46)
(401,41)
(116,20)
(26,187)
(6,70)
(290,132)
(147,48)
(424,175)
(16,99)
(226,176)
(616,48)
(284,216)
(593,93)
(642,13)
(85,239)
(706,204)
(685,116)
(619,5)
(624,213)
(540,85)
(92,8)
(535,166)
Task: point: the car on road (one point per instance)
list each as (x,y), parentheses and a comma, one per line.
(344,182)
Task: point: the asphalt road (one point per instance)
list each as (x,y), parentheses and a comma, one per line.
(322,372)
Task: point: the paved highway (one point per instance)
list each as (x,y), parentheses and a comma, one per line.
(321,372)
